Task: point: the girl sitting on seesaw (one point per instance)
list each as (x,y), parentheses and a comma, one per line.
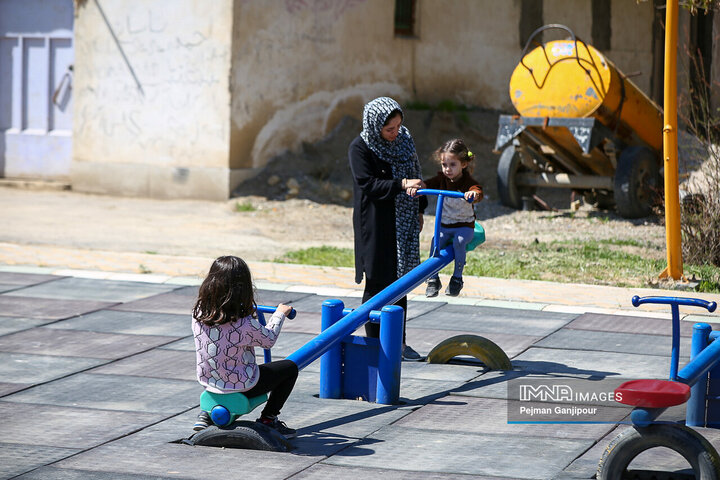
(458,215)
(226,331)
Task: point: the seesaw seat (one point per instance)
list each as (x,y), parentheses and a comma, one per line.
(652,393)
(225,408)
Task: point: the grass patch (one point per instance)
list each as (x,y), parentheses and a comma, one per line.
(622,263)
(244,207)
(324,256)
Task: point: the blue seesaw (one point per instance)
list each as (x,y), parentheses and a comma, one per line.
(650,397)
(359,367)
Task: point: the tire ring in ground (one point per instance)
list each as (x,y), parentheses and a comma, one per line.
(476,346)
(701,455)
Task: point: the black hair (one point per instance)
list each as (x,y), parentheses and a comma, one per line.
(226,294)
(392,115)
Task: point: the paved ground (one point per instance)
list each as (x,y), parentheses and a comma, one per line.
(97,375)
(97,381)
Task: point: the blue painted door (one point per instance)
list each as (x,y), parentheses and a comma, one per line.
(36,58)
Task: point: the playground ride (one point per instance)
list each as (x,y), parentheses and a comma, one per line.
(697,384)
(351,366)
(582,125)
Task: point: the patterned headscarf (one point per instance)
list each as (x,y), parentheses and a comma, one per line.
(403,159)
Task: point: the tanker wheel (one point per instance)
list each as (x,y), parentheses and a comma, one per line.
(509,165)
(637,181)
(700,454)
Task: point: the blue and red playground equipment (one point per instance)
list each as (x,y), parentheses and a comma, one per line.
(697,384)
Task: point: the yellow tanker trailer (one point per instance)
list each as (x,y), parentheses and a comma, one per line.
(582,125)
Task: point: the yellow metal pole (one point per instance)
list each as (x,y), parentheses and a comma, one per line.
(673,240)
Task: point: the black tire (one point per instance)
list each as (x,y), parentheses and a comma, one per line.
(508,166)
(637,182)
(701,455)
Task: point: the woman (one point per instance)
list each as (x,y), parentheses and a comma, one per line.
(386,220)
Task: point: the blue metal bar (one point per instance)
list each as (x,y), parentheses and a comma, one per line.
(387,390)
(441,194)
(700,364)
(675,352)
(642,417)
(696,405)
(690,302)
(331,361)
(358,317)
(261,310)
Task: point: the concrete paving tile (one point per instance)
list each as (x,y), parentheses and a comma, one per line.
(304,322)
(423,340)
(628,324)
(711,319)
(326,426)
(313,303)
(69,427)
(600,364)
(491,319)
(53,473)
(429,371)
(47,308)
(287,343)
(172,302)
(272,297)
(414,391)
(16,324)
(135,323)
(410,449)
(25,279)
(172,460)
(187,343)
(613,342)
(4,288)
(494,384)
(24,369)
(71,343)
(489,416)
(335,472)
(157,363)
(92,289)
(8,388)
(114,392)
(18,458)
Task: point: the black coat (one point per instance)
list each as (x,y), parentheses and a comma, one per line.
(374,191)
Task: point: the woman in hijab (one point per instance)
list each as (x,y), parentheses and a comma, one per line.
(386,220)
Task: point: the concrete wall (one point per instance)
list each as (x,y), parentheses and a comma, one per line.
(189,97)
(152,101)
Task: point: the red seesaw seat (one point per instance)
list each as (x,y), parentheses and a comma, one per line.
(652,393)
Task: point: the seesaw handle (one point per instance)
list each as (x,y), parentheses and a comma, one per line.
(446,193)
(690,302)
(271,310)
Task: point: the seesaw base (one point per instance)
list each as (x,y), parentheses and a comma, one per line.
(241,434)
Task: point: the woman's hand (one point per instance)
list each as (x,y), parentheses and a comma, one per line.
(412,185)
(284,309)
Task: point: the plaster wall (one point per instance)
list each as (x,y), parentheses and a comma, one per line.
(152,98)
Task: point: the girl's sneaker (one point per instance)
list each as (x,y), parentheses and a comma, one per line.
(433,287)
(276,424)
(203,421)
(454,287)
